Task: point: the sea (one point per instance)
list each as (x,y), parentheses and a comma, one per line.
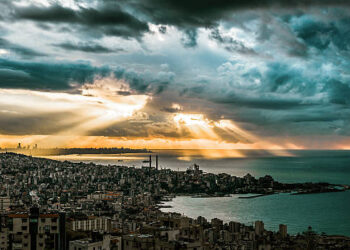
(326,212)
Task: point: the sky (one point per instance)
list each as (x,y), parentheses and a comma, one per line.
(252,74)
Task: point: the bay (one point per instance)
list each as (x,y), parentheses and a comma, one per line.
(327,212)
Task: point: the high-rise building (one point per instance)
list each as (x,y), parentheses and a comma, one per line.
(283,230)
(35,230)
(259,228)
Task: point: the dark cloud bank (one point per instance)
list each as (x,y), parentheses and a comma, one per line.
(294,99)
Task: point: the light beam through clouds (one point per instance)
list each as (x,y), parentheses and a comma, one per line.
(99,106)
(160,74)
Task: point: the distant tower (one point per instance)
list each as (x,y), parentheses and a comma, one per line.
(150,165)
(19,146)
(157,162)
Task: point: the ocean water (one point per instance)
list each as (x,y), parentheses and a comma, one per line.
(328,212)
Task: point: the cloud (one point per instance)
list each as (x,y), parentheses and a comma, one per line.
(207,13)
(19,50)
(174,108)
(321,34)
(276,68)
(230,44)
(108,19)
(70,76)
(97,106)
(272,102)
(162,29)
(88,47)
(47,75)
(129,19)
(189,39)
(146,81)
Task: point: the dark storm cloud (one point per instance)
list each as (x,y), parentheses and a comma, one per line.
(145,82)
(21,51)
(302,87)
(230,44)
(206,13)
(55,13)
(260,102)
(70,75)
(109,18)
(129,18)
(339,92)
(189,39)
(89,47)
(320,34)
(50,76)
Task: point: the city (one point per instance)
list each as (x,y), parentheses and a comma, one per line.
(47,204)
(174,124)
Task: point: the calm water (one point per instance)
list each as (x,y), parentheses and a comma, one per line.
(329,212)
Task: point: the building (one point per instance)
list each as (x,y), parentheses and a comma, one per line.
(92,224)
(138,242)
(97,242)
(4,242)
(5,203)
(283,231)
(259,228)
(36,231)
(86,244)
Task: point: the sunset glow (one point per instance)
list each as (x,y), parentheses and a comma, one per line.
(166,80)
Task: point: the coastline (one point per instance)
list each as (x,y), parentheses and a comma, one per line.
(191,207)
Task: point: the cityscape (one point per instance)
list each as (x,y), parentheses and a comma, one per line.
(174,124)
(47,204)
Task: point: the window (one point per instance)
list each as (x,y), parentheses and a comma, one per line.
(24,220)
(54,220)
(24,228)
(43,220)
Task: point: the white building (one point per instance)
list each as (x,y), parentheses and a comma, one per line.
(92,224)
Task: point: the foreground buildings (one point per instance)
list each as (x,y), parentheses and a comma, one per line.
(46,204)
(33,230)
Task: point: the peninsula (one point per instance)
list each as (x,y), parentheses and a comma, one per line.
(36,151)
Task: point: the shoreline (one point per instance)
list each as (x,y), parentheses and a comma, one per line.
(163,205)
